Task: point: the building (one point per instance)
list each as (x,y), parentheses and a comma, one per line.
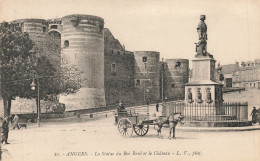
(248,75)
(110,72)
(225,73)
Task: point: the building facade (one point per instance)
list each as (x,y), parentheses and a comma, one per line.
(248,75)
(110,72)
(225,74)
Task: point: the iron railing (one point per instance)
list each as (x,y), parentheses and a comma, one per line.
(205,112)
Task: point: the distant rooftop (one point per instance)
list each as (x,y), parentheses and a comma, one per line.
(229,68)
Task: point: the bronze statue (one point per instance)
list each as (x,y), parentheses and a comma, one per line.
(202,28)
(201,46)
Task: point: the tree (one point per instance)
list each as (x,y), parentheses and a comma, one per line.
(70,78)
(19,60)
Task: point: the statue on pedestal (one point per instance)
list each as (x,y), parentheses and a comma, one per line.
(201,46)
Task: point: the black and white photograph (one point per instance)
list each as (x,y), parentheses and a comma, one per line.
(124,80)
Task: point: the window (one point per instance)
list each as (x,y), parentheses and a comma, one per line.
(66,43)
(44,29)
(113,68)
(138,83)
(178,64)
(54,27)
(144,59)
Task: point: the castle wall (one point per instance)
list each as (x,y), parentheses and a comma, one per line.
(1,98)
(176,74)
(110,42)
(83,47)
(119,77)
(45,44)
(119,71)
(32,25)
(54,25)
(147,75)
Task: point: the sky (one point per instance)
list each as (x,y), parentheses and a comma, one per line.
(166,26)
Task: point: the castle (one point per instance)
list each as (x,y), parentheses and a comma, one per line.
(110,72)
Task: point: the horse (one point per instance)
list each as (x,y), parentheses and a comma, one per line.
(170,121)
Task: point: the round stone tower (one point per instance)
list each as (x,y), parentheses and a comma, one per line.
(82,44)
(147,75)
(176,74)
(1,98)
(32,26)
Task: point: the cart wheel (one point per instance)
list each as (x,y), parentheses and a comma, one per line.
(141,130)
(125,127)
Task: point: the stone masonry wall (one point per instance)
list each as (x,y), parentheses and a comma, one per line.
(118,71)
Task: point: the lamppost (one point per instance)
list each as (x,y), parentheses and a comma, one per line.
(33,85)
(147,100)
(144,60)
(146,90)
(162,80)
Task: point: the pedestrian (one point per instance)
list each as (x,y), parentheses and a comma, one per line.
(157,107)
(160,123)
(78,115)
(172,124)
(5,131)
(15,120)
(159,130)
(254,115)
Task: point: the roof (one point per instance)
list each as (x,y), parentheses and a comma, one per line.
(229,68)
(201,82)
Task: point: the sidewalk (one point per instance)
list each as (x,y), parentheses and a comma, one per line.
(217,129)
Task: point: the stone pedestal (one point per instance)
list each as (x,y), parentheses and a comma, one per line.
(203,68)
(203,88)
(203,91)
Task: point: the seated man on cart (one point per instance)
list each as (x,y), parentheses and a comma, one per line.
(121,107)
(120,110)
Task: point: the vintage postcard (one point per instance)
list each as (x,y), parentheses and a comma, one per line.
(130,80)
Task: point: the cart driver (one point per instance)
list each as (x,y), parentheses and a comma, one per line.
(121,107)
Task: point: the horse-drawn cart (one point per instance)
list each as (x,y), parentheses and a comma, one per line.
(139,120)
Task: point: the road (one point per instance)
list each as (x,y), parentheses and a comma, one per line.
(98,139)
